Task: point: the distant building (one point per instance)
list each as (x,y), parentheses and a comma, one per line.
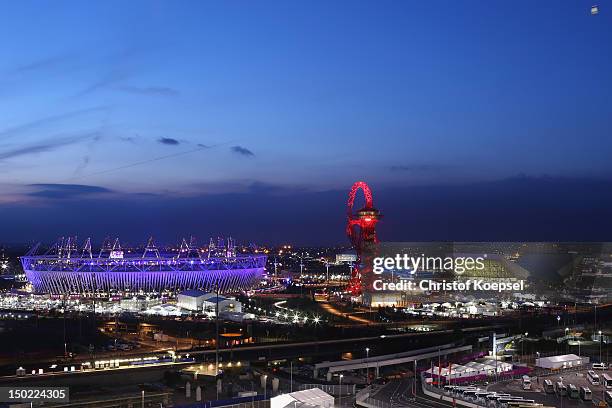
(225,304)
(484,310)
(200,301)
(191,299)
(138,303)
(345,258)
(385,299)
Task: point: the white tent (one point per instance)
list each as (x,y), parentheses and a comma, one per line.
(313,397)
(164,310)
(472,368)
(564,361)
(481,368)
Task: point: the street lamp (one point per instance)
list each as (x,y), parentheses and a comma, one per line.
(558,320)
(367,365)
(600,342)
(414,382)
(340,391)
(265,385)
(561,396)
(291,376)
(523,346)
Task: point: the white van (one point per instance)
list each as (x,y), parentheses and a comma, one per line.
(599,366)
(526,382)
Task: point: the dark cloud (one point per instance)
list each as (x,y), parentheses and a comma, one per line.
(48,145)
(242,151)
(168,141)
(128,139)
(260,187)
(150,91)
(419,168)
(64,191)
(242,186)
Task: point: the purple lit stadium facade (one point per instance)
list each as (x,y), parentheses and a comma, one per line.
(66,274)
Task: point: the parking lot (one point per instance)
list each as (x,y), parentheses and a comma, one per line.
(537,393)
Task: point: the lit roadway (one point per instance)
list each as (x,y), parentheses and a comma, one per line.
(55,374)
(329,308)
(401,394)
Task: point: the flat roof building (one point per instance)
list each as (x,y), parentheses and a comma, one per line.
(200,301)
(191,299)
(226,304)
(347,257)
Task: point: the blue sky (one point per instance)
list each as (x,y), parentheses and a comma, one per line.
(115,101)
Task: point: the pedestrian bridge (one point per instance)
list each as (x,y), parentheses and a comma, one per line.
(390,359)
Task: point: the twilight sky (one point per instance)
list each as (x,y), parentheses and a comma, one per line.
(254,118)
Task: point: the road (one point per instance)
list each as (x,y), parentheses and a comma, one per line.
(400,394)
(331,309)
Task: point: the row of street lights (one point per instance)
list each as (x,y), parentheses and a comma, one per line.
(289,315)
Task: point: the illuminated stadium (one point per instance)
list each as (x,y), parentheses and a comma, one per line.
(68,269)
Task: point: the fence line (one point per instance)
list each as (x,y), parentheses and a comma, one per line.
(333,389)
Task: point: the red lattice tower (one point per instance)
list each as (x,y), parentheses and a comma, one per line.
(361,230)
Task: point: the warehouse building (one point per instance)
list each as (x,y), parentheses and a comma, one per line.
(191,299)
